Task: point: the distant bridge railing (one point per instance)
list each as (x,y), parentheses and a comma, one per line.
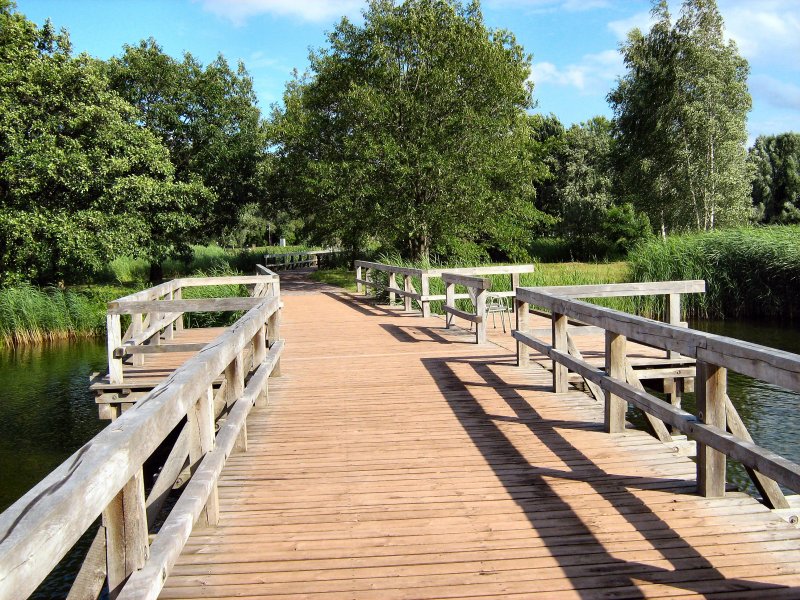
(365,279)
(295,260)
(179,417)
(717,427)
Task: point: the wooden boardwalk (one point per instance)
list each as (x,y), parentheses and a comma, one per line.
(397,459)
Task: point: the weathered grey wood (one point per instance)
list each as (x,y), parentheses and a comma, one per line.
(615,407)
(403,293)
(494,270)
(711,391)
(178,295)
(610,290)
(193,305)
(273,336)
(661,431)
(480,310)
(471,281)
(463,314)
(449,292)
(201,441)
(125,523)
(559,337)
(148,581)
(38,529)
(407,287)
(137,328)
(671,373)
(768,463)
(768,364)
(114,335)
(186,282)
(359,279)
(425,290)
(392,287)
(596,390)
(173,465)
(582,330)
(522,310)
(92,575)
(160,349)
(153,329)
(770,491)
(388,268)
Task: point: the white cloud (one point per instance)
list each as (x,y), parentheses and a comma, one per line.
(592,75)
(538,6)
(767,32)
(238,11)
(620,28)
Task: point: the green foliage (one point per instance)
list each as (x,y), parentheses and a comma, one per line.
(30,314)
(776,179)
(750,272)
(411,129)
(680,114)
(79,178)
(208,119)
(581,192)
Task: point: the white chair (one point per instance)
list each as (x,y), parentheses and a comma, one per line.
(494,304)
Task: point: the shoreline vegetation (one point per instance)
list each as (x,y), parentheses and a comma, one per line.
(32,315)
(751,272)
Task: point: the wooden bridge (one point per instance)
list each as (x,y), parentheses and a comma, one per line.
(389,456)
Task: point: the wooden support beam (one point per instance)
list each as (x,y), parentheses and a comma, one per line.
(661,431)
(92,575)
(425,290)
(407,286)
(559,337)
(392,286)
(114,334)
(522,310)
(615,407)
(596,390)
(359,286)
(125,522)
(480,311)
(770,491)
(711,391)
(173,465)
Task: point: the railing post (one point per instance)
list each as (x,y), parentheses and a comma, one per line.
(514,286)
(201,441)
(137,327)
(169,331)
(711,389)
(449,300)
(358,279)
(114,335)
(125,520)
(522,314)
(425,291)
(259,356)
(406,297)
(178,295)
(615,407)
(273,335)
(480,311)
(392,284)
(559,330)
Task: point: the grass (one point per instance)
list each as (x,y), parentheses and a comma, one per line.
(571,273)
(750,272)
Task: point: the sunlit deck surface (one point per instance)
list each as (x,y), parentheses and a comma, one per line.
(398,459)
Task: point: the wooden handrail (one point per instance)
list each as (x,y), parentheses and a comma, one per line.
(424,297)
(715,355)
(105,475)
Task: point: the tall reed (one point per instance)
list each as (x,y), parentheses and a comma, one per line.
(749,272)
(29,314)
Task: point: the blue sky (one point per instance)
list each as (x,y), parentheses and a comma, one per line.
(574,42)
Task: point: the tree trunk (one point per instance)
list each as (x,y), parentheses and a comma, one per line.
(156,272)
(419,245)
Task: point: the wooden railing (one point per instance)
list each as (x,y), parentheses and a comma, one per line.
(365,279)
(105,476)
(295,260)
(717,427)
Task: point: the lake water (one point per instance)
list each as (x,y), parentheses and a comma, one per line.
(47,412)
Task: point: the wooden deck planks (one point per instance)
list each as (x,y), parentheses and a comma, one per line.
(399,460)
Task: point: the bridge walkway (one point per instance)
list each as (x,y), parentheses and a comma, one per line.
(397,459)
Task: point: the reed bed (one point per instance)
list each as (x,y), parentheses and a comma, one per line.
(749,272)
(31,315)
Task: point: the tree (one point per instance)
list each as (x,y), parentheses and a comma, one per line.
(581,192)
(80,181)
(776,179)
(208,118)
(680,115)
(411,129)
